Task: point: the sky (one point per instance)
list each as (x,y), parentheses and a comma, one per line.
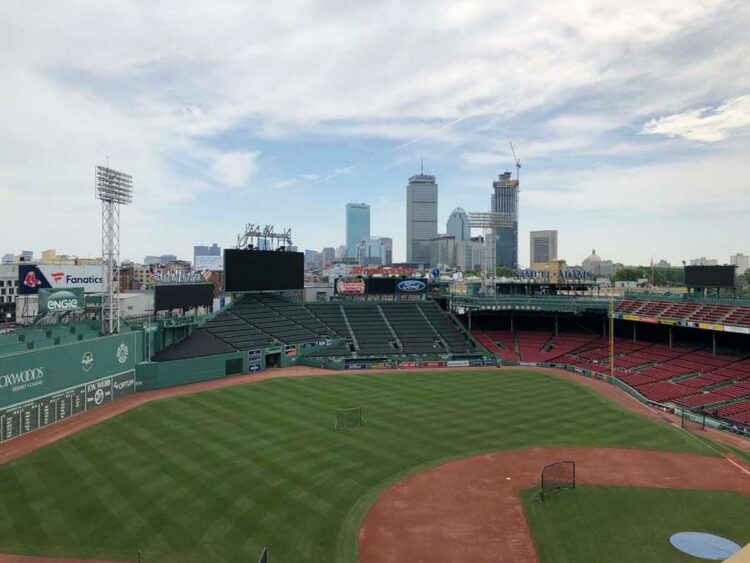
(631,120)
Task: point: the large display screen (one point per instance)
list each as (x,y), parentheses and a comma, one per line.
(263,270)
(183,296)
(709,276)
(380,286)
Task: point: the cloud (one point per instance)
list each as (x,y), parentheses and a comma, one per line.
(708,124)
(235,169)
(188,115)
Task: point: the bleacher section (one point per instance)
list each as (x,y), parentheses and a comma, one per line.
(689,377)
(499,342)
(370,329)
(450,333)
(23,339)
(713,313)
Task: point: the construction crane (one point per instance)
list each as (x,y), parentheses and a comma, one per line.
(518,162)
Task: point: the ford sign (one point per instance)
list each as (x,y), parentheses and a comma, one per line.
(411,286)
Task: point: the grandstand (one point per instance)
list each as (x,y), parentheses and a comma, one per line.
(687,375)
(687,311)
(348,329)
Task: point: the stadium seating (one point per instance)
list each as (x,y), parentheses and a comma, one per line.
(693,311)
(451,333)
(369,329)
(25,338)
(500,342)
(372,336)
(691,377)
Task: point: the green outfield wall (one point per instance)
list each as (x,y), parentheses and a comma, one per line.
(41,387)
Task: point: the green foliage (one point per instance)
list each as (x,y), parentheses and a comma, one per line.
(592,524)
(217,475)
(504,271)
(662,276)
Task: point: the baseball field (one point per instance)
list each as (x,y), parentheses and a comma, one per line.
(218,475)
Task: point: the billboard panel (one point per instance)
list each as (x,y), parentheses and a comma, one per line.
(33,277)
(183,296)
(709,276)
(213,263)
(61,300)
(262,270)
(411,286)
(350,286)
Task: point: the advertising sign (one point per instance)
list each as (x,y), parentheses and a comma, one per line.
(380,365)
(61,300)
(355,366)
(181,277)
(213,263)
(32,278)
(253,368)
(408,364)
(350,286)
(433,364)
(42,411)
(411,286)
(458,363)
(253,355)
(290,351)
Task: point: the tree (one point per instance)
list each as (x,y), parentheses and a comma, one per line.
(504,272)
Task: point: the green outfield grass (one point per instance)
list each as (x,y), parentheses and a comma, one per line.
(215,476)
(630,525)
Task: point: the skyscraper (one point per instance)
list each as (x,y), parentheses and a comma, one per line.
(357,226)
(387,242)
(329,255)
(200,250)
(543,246)
(505,200)
(741,261)
(458,225)
(421,217)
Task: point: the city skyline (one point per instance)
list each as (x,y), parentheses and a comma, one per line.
(631,136)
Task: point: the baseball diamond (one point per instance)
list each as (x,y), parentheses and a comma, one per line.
(219,475)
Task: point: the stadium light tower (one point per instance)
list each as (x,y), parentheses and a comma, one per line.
(114,189)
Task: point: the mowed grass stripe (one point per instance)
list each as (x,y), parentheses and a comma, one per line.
(216,476)
(592,524)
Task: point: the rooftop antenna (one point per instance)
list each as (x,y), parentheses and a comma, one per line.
(421,166)
(518,162)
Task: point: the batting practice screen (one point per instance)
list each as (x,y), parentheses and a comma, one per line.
(262,270)
(183,296)
(709,276)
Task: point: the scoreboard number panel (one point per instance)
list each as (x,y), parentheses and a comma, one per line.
(38,413)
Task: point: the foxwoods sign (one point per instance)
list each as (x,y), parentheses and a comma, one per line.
(22,379)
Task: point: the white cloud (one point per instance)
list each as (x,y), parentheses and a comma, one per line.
(706,124)
(154,93)
(235,169)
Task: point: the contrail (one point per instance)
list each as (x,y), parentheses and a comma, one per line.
(427,135)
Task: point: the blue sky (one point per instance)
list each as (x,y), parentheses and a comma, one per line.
(632,120)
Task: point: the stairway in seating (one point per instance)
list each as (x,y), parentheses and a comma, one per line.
(432,326)
(349,328)
(390,328)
